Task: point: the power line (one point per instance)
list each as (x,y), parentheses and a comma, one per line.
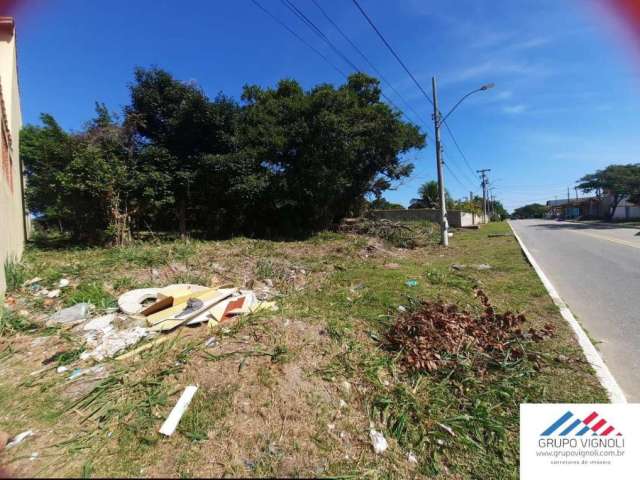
(292,32)
(464,185)
(472,179)
(406,69)
(384,40)
(301,16)
(313,27)
(366,59)
(464,157)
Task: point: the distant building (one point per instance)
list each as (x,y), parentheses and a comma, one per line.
(14,220)
(597,207)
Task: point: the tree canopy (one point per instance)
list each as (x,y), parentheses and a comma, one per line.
(429,196)
(281,161)
(619,181)
(532,210)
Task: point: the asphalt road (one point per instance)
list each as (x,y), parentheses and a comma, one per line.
(596,271)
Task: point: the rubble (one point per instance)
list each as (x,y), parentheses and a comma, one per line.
(102,323)
(114,341)
(173,306)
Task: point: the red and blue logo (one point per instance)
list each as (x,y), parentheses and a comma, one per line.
(571,425)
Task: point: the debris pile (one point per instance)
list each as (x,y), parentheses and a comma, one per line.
(396,233)
(436,334)
(149,312)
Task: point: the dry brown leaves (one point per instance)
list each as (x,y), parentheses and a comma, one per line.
(438,335)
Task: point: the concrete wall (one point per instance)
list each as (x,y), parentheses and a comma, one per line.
(13,220)
(456,218)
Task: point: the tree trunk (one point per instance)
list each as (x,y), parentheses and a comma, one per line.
(120,223)
(182,218)
(614,206)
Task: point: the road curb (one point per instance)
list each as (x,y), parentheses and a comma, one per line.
(607,380)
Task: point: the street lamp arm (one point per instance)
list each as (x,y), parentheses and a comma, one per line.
(481,89)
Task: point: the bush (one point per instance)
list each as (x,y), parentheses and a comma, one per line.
(14,273)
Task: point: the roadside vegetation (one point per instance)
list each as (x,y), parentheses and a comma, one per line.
(294,392)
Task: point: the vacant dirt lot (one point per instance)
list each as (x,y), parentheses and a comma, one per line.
(289,393)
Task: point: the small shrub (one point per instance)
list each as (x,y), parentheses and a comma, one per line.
(14,273)
(12,322)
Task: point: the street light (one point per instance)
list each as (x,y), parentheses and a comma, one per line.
(444,224)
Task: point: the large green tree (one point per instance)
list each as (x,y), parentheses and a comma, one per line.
(312,156)
(532,210)
(180,126)
(284,161)
(619,181)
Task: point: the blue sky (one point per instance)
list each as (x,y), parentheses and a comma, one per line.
(565,102)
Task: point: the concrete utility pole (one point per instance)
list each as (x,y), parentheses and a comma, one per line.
(444,224)
(438,120)
(485,183)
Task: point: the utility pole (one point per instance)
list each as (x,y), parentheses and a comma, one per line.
(576,189)
(470,198)
(444,224)
(568,203)
(484,184)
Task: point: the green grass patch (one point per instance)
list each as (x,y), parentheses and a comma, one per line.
(12,322)
(93,293)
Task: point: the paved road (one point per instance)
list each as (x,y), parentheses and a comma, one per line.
(596,270)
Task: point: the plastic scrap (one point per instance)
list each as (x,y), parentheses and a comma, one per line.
(378,441)
(411,283)
(63,283)
(170,424)
(54,293)
(95,371)
(70,315)
(32,281)
(19,438)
